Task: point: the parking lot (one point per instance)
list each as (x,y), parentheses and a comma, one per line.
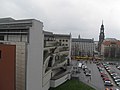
(95,80)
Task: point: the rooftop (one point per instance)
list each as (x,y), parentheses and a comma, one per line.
(82,40)
(10,20)
(62,35)
(117,42)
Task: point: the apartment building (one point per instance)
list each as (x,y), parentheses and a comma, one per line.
(110,48)
(31,59)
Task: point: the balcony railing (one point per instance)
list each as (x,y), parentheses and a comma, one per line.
(64,49)
(49,43)
(60,77)
(59,63)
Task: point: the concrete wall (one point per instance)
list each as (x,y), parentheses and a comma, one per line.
(20,65)
(46,80)
(35,57)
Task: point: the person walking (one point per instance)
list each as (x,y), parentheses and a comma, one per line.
(90,78)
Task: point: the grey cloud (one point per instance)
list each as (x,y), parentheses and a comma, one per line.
(64,16)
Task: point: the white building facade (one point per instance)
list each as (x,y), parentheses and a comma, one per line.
(57,58)
(82,47)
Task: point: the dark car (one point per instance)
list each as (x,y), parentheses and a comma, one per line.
(108,84)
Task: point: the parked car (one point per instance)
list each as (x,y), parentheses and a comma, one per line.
(118,83)
(112,74)
(116,77)
(118,67)
(88,74)
(103,74)
(105,78)
(108,84)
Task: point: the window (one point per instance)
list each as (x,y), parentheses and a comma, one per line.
(1,37)
(63,40)
(66,40)
(66,44)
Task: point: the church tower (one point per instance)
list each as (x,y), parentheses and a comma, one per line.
(101,37)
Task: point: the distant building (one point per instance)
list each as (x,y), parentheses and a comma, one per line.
(96,45)
(82,47)
(101,37)
(96,53)
(110,48)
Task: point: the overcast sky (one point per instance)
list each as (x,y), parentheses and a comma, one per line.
(82,17)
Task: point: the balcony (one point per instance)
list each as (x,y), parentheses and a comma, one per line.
(49,43)
(60,77)
(59,63)
(64,49)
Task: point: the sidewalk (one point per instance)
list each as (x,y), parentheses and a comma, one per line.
(86,80)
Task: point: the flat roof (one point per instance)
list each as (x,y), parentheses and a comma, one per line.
(82,40)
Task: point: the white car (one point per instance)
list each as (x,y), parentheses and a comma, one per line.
(87,74)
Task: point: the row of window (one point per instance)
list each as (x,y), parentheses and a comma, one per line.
(63,40)
(64,45)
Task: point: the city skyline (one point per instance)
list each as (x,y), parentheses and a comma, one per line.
(82,17)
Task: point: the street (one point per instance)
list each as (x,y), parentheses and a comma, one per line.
(95,79)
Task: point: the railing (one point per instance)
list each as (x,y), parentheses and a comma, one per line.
(59,63)
(60,78)
(64,49)
(49,43)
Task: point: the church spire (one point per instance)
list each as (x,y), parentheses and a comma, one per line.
(102,22)
(101,36)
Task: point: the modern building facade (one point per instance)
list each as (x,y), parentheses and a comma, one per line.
(37,59)
(23,35)
(110,48)
(57,59)
(82,47)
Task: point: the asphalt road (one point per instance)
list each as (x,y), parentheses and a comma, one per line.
(96,80)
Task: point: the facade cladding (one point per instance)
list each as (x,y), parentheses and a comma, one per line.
(7,67)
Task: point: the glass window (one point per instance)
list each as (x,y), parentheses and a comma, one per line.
(1,37)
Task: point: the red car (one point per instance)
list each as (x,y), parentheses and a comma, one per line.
(103,74)
(106,79)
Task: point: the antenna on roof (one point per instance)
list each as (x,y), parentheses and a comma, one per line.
(102,21)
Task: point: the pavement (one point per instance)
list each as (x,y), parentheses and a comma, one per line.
(95,80)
